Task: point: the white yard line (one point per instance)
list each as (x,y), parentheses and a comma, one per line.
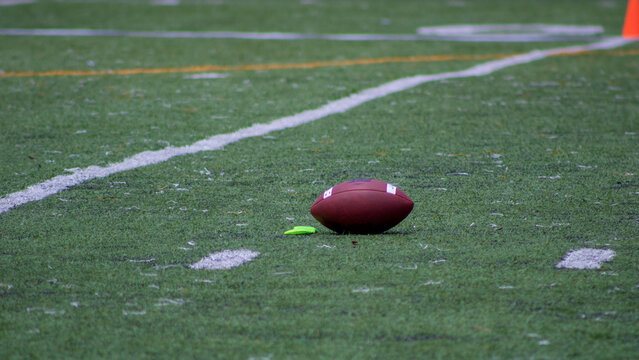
(165,2)
(206,76)
(511,29)
(62,182)
(300,36)
(16,2)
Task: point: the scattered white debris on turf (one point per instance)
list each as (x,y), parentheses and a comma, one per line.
(164,267)
(204,281)
(412,267)
(365,290)
(133,313)
(437,261)
(433,282)
(552,225)
(426,246)
(62,182)
(226,259)
(609,273)
(46,311)
(167,302)
(585,259)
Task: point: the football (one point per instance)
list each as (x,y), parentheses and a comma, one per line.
(362,206)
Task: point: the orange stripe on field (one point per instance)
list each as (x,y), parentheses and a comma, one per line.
(254,67)
(285,66)
(609,52)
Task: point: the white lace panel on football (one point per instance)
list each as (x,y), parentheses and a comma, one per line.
(328,193)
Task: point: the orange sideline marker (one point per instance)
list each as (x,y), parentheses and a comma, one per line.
(631,26)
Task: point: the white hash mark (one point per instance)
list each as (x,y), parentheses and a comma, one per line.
(585,259)
(225,259)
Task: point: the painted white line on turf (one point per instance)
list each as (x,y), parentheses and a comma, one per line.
(297,36)
(16,2)
(62,182)
(165,2)
(225,259)
(206,76)
(585,259)
(511,29)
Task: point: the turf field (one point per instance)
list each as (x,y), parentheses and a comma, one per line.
(509,171)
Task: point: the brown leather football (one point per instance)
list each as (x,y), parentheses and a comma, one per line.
(362,206)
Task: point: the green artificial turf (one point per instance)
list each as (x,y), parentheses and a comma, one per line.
(508,173)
